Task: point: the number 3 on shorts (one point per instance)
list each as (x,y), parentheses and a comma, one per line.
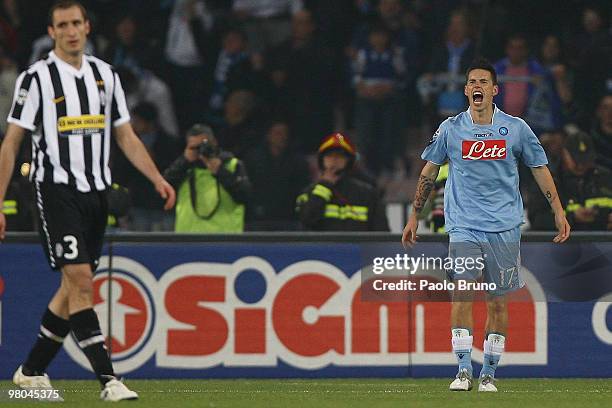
(73,250)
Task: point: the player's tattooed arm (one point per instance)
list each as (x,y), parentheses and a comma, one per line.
(547,185)
(545,181)
(424,188)
(549,196)
(425,185)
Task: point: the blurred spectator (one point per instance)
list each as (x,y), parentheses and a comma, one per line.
(335,20)
(266,22)
(150,19)
(212,186)
(235,70)
(592,36)
(392,15)
(8,76)
(591,52)
(188,52)
(587,187)
(278,175)
(10,22)
(494,28)
(303,79)
(447,66)
(527,89)
(127,47)
(146,213)
(602,132)
(378,77)
(402,26)
(241,129)
(338,201)
(552,59)
(145,87)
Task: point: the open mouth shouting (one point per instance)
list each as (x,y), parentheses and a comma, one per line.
(477,97)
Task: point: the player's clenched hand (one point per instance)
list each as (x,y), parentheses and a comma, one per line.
(166,192)
(409,236)
(563,227)
(2,225)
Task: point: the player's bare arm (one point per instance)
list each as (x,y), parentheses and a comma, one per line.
(547,185)
(136,152)
(425,185)
(8,152)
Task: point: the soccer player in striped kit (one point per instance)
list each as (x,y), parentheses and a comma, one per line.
(72,104)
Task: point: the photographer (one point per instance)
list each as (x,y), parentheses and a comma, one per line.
(212,186)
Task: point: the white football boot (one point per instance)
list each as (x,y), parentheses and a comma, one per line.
(463,381)
(36,382)
(115,390)
(487,384)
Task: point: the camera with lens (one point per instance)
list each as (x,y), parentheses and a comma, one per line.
(208,149)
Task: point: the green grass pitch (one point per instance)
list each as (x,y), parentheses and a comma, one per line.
(353,393)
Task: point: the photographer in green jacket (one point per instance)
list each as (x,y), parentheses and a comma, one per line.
(212,186)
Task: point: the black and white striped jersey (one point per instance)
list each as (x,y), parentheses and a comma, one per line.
(70,113)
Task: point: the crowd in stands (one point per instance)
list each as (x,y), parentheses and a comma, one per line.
(272,78)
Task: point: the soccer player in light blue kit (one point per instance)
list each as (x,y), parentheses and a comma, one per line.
(483,211)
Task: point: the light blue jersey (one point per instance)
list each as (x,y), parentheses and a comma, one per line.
(482,190)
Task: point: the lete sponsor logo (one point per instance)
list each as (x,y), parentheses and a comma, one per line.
(309,315)
(483,149)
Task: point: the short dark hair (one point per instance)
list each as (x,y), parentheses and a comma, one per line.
(379,28)
(236,30)
(66,4)
(482,63)
(201,129)
(604,96)
(517,37)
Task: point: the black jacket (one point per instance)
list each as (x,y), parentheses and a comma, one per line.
(349,205)
(276,183)
(591,190)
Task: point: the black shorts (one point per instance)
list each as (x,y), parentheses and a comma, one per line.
(71,224)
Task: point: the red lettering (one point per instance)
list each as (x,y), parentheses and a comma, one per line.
(182,303)
(305,339)
(250,331)
(434,308)
(365,325)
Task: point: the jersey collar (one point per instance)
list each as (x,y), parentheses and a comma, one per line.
(495,110)
(66,66)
